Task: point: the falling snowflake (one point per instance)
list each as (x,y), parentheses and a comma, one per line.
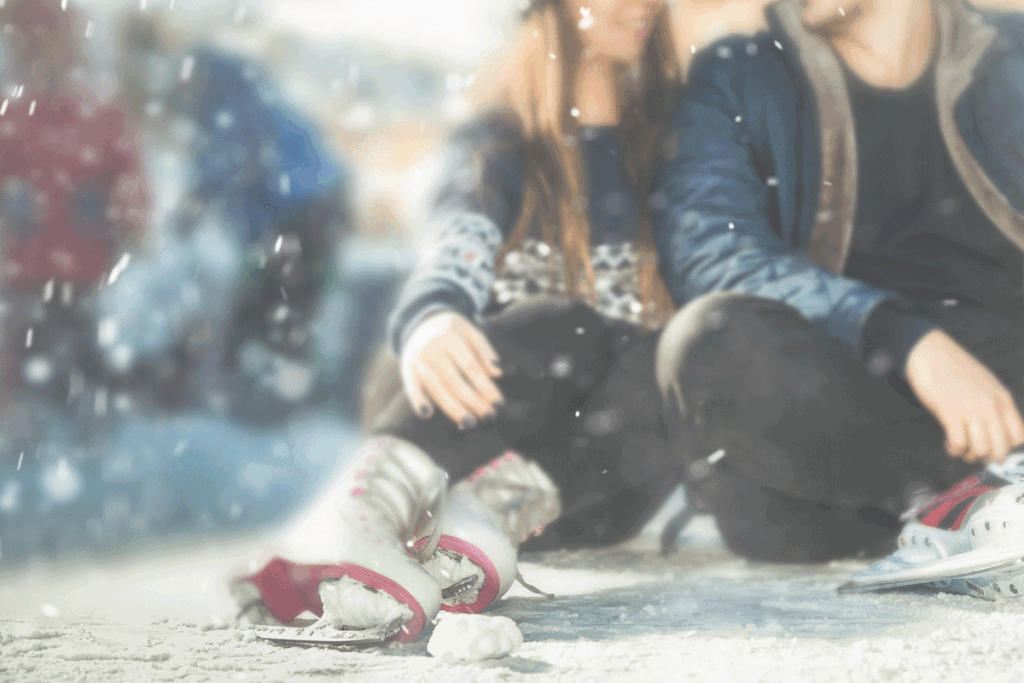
(10,496)
(60,481)
(224,119)
(187,66)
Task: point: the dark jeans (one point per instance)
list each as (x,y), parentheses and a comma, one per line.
(820,456)
(581,400)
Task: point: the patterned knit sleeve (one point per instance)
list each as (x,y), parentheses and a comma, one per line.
(475,209)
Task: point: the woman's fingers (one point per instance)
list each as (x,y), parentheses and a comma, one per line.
(420,403)
(475,373)
(438,391)
(481,347)
(474,401)
(413,387)
(449,363)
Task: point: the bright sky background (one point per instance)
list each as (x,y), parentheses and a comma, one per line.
(459,32)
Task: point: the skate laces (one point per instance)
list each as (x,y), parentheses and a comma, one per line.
(519,492)
(408,490)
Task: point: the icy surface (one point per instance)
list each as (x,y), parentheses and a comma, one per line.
(623,614)
(473,637)
(347,603)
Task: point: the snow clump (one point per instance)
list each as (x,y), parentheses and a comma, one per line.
(473,637)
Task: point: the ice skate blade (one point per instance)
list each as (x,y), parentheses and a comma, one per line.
(459,588)
(367,637)
(891,572)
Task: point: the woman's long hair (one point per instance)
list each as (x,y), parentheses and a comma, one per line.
(538,89)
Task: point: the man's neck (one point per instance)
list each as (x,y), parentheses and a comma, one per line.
(888,44)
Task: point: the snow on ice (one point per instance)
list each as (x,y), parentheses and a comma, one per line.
(473,637)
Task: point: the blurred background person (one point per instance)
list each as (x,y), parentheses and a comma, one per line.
(73,199)
(263,170)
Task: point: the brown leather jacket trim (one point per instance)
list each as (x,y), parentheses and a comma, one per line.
(964,38)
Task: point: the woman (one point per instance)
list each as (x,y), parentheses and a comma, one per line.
(524,330)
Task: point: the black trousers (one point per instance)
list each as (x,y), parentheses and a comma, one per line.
(820,457)
(581,400)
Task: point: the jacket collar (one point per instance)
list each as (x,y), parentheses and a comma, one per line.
(964,39)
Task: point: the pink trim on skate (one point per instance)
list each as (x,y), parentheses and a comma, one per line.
(492,582)
(288,589)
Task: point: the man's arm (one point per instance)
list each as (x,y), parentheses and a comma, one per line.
(713,235)
(712,230)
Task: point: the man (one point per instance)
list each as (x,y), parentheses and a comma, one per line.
(840,211)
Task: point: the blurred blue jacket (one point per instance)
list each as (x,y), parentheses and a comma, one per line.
(259,155)
(759,187)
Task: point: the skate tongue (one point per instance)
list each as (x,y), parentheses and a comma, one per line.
(350,604)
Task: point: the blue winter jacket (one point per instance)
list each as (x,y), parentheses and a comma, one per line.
(758,191)
(263,158)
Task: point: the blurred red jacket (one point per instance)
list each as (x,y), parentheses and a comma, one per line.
(71,191)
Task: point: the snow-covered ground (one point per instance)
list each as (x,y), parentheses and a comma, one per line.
(623,614)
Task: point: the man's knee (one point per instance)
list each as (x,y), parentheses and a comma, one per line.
(701,326)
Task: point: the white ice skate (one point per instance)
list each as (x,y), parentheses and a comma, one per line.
(967,540)
(490,513)
(351,557)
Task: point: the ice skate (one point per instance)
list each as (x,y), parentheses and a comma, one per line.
(491,512)
(352,558)
(967,540)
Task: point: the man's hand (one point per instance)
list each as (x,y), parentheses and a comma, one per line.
(976,411)
(447,362)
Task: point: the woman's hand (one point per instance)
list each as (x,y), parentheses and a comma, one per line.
(976,411)
(447,362)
